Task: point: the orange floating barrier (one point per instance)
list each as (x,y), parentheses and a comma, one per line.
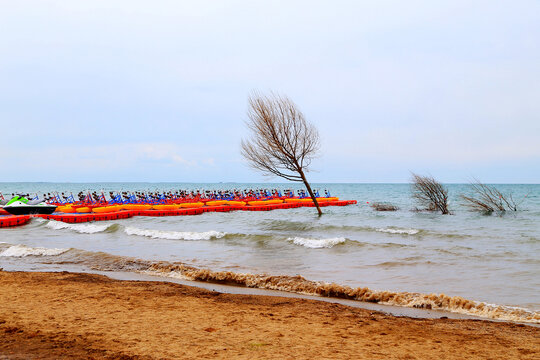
(78,213)
(13,220)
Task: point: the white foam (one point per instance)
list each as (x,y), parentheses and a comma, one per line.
(80,228)
(399,231)
(317,243)
(174,235)
(22,251)
(171,274)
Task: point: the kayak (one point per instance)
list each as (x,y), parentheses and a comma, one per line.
(165,207)
(264,202)
(105,209)
(236,203)
(307,200)
(216,203)
(191,205)
(136,206)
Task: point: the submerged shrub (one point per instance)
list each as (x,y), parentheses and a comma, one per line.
(487,199)
(383,207)
(430,193)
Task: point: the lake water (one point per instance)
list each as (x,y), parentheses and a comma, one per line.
(484,265)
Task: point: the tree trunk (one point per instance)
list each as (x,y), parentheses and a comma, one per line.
(310,192)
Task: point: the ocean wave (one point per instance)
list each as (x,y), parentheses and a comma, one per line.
(175,235)
(82,228)
(398,231)
(22,251)
(317,243)
(295,284)
(286,225)
(408,261)
(390,245)
(298,284)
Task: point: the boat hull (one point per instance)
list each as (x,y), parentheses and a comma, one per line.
(28,210)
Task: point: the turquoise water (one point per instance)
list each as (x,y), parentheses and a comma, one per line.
(493,259)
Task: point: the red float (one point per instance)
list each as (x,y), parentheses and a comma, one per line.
(13,220)
(17,220)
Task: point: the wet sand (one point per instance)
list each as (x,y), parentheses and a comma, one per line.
(70,315)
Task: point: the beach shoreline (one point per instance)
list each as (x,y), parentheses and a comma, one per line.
(76,315)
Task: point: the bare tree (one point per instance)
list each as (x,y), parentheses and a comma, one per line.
(488,199)
(283,143)
(430,193)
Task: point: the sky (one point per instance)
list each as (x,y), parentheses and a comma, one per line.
(157,90)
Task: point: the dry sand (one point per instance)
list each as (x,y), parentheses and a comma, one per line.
(69,315)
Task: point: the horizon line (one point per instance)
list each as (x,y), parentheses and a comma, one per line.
(251,182)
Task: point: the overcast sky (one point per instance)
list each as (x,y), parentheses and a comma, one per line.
(157,90)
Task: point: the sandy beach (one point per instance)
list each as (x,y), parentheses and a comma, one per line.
(71,315)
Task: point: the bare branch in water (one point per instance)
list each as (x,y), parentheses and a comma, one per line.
(430,193)
(383,207)
(486,198)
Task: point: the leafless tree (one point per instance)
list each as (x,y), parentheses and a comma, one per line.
(430,193)
(488,199)
(282,143)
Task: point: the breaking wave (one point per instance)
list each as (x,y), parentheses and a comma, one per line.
(298,284)
(174,235)
(317,243)
(82,228)
(100,261)
(398,231)
(22,251)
